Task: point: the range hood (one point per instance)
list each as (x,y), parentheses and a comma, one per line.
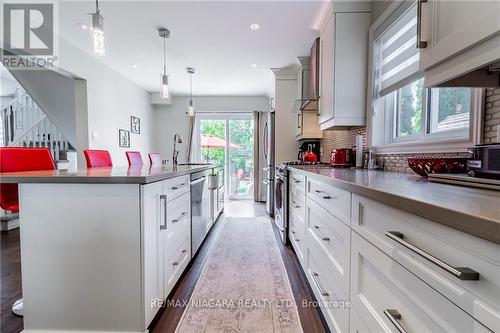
(310,79)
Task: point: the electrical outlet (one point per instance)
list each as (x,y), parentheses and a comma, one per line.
(95,136)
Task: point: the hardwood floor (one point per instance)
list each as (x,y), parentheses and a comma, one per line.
(10,280)
(311,318)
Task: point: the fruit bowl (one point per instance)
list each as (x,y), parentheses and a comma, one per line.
(424,166)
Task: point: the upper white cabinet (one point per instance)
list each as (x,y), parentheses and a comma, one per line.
(461,36)
(343,66)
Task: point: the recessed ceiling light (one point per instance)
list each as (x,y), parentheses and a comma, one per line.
(134,66)
(255,26)
(83,26)
(254,65)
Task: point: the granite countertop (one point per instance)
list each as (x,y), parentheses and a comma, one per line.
(471,210)
(105,175)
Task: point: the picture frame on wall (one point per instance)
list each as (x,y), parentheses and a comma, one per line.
(135,125)
(124,138)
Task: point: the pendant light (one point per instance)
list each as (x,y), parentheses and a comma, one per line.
(190,108)
(98,31)
(164,91)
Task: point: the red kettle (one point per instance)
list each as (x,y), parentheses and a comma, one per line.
(310,156)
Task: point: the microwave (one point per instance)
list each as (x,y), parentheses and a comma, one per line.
(484,161)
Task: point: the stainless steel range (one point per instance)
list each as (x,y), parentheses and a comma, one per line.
(281,196)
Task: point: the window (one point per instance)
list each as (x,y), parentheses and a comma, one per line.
(424,114)
(404,111)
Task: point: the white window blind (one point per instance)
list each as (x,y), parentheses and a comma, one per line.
(396,55)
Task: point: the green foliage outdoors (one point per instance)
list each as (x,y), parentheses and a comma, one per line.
(452,101)
(240,134)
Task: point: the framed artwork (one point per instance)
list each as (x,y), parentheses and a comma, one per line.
(124,138)
(135,125)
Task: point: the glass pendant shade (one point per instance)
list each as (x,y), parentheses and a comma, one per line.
(98,34)
(164,86)
(190,110)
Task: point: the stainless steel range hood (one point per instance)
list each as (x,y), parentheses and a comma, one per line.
(484,77)
(310,79)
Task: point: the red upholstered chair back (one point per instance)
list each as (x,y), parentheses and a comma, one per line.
(134,158)
(154,159)
(97,158)
(14,159)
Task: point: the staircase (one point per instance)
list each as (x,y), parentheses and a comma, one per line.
(24,124)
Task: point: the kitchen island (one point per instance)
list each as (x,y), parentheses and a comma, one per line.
(102,248)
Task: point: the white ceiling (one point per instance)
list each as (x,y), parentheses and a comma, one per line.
(213,37)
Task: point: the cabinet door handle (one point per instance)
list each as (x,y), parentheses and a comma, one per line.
(315,277)
(295,180)
(462,273)
(394,316)
(176,187)
(176,263)
(163,198)
(320,235)
(179,218)
(324,196)
(421,44)
(297,240)
(295,205)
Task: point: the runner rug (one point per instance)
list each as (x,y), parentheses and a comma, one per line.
(244,286)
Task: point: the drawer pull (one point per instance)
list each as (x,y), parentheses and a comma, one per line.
(323,238)
(297,240)
(324,196)
(175,263)
(315,277)
(163,226)
(295,204)
(462,273)
(394,316)
(295,180)
(178,186)
(179,218)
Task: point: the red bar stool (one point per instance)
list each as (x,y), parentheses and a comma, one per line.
(154,159)
(97,158)
(13,159)
(134,158)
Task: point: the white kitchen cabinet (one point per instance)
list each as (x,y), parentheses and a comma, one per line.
(308,125)
(390,298)
(343,68)
(450,27)
(154,217)
(166,216)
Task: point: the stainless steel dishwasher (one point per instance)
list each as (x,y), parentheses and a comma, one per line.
(200,208)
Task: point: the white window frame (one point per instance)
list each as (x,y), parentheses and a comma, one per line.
(439,142)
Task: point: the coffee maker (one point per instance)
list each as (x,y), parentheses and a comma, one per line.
(304,146)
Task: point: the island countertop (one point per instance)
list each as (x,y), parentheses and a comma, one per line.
(104,175)
(471,210)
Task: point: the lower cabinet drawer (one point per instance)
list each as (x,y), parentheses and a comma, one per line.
(356,324)
(177,186)
(332,300)
(333,199)
(332,238)
(178,258)
(436,254)
(179,217)
(389,297)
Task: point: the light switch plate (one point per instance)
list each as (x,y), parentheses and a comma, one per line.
(95,136)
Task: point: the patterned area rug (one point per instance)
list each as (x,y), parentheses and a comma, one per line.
(244,286)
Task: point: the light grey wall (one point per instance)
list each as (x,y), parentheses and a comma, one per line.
(171,119)
(111,100)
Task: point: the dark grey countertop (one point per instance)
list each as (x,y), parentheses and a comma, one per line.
(105,175)
(471,210)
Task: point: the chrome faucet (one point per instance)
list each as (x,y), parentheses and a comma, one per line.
(177,139)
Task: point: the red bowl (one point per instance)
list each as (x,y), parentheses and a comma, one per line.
(424,166)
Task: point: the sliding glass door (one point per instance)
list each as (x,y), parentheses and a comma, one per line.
(227,139)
